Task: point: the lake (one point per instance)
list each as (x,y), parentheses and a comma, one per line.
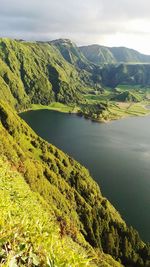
(117,155)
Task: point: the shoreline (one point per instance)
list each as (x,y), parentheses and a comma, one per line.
(75,110)
(62,108)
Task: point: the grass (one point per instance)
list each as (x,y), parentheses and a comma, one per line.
(117,110)
(29,234)
(100,97)
(120,110)
(123,87)
(50,226)
(56,106)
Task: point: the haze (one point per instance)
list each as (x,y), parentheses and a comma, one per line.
(105,22)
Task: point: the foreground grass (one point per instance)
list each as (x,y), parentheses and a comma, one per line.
(29,234)
(64,216)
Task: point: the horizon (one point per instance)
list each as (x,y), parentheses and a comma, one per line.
(46,41)
(119,24)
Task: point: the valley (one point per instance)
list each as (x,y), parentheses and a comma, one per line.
(50,205)
(123,101)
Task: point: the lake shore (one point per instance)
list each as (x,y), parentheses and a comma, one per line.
(116,154)
(56,106)
(116,112)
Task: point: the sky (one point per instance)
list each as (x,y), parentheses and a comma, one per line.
(85,22)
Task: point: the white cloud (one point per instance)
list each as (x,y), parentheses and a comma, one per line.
(117,22)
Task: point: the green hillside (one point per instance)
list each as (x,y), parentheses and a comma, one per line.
(98,54)
(45,72)
(30,233)
(38,73)
(52,211)
(72,53)
(125,74)
(69,193)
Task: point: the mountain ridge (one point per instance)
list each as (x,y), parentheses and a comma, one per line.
(39,73)
(112,55)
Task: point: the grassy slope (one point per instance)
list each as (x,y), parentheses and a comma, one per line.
(121,102)
(29,232)
(56,231)
(119,105)
(110,55)
(72,53)
(67,188)
(39,73)
(30,235)
(57,107)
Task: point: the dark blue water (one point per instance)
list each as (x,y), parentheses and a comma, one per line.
(117,155)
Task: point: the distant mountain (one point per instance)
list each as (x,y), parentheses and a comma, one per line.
(98,54)
(72,53)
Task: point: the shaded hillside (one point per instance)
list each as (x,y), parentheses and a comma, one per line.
(82,213)
(126,96)
(98,54)
(72,53)
(127,74)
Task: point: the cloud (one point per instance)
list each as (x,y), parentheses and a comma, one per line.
(86,21)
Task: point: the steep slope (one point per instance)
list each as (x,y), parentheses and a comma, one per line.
(127,55)
(81,211)
(72,53)
(38,73)
(29,232)
(98,54)
(41,73)
(127,74)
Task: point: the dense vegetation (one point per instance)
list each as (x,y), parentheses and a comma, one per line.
(29,231)
(43,73)
(38,73)
(137,74)
(69,193)
(72,53)
(62,207)
(98,54)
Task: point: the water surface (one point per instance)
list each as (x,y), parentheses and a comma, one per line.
(117,155)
